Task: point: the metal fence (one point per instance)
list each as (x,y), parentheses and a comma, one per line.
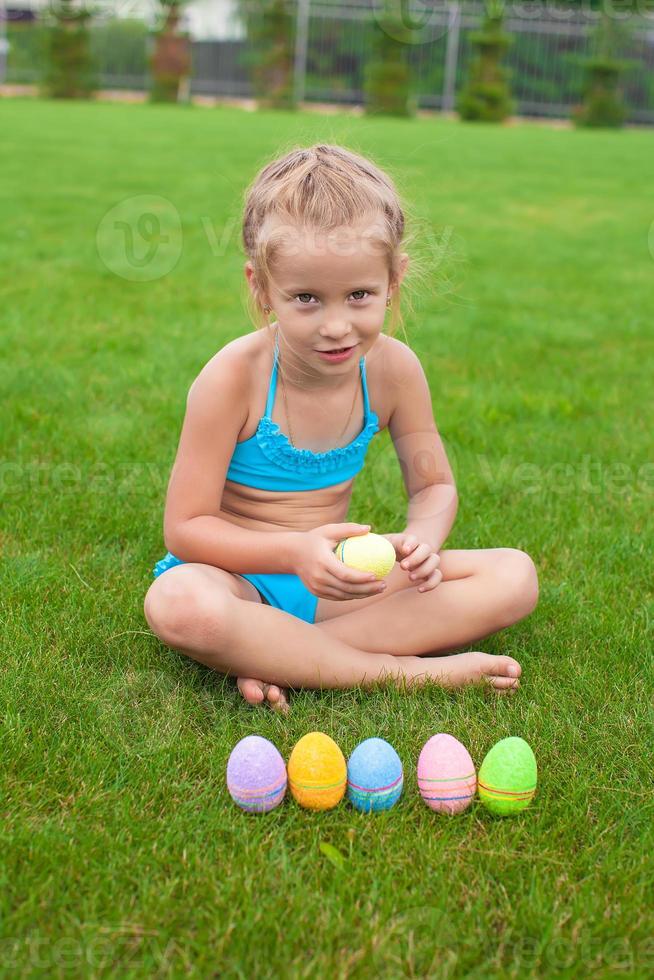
(333,43)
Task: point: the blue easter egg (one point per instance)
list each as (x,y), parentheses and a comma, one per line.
(374,776)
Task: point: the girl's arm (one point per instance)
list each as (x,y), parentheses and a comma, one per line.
(216,410)
(431,514)
(426,471)
(215,541)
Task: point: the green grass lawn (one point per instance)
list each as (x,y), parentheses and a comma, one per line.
(122,853)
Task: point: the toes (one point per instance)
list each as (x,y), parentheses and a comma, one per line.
(507,667)
(282,705)
(250,689)
(277,698)
(255,692)
(500,667)
(508,684)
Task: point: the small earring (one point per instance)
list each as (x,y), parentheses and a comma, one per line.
(388,301)
(266,309)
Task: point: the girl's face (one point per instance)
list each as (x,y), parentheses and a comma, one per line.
(330,291)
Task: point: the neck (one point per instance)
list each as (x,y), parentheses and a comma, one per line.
(303,377)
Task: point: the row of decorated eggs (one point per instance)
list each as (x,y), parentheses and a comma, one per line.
(318,775)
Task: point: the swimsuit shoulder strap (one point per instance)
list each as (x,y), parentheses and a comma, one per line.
(366,402)
(272,386)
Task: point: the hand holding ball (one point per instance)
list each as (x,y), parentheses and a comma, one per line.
(367,553)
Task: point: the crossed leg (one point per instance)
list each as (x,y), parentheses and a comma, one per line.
(254,691)
(481,592)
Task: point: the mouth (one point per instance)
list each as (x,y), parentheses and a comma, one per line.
(337,350)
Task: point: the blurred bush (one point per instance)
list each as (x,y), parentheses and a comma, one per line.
(118,50)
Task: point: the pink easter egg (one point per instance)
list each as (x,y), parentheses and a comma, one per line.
(446,774)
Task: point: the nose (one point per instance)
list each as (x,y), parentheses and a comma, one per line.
(335,329)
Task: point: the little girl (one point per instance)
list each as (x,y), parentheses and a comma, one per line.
(259,492)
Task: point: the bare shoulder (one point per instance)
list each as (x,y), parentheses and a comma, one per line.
(391,366)
(236,360)
(392,360)
(405,359)
(234,371)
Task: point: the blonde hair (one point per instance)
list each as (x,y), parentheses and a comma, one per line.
(321,187)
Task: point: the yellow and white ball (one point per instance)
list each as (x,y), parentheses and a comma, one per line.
(368,553)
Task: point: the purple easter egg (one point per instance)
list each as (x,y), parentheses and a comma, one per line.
(256,774)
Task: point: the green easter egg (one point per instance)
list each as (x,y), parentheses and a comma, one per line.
(507,777)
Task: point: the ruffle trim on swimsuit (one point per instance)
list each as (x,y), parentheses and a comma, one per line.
(276,447)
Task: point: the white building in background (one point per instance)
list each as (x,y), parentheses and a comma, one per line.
(205,20)
(213,20)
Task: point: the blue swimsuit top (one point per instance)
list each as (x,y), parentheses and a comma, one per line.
(267,459)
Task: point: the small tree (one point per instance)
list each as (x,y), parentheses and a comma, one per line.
(270,28)
(603,103)
(387,77)
(69,65)
(170,62)
(486,96)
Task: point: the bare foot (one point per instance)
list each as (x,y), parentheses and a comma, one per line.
(255,692)
(475,667)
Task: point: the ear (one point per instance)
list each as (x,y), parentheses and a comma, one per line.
(254,287)
(249,274)
(404,264)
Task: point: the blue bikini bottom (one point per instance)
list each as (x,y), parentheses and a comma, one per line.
(287,592)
